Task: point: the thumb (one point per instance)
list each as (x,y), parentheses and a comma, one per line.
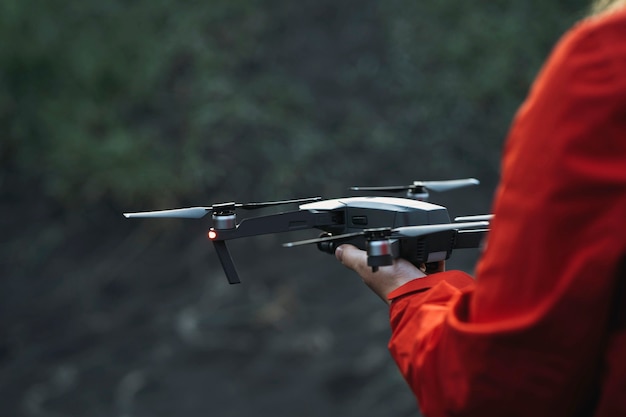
(351,256)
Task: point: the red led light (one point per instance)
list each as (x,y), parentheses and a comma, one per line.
(212,234)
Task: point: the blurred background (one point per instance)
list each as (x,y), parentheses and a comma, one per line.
(115,106)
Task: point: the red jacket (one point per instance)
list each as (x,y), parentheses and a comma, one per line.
(541,331)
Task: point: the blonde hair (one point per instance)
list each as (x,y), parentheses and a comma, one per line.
(603,6)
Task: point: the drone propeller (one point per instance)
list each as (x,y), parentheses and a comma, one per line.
(324,239)
(420,186)
(400,232)
(199,212)
(417,231)
(479,218)
(183,213)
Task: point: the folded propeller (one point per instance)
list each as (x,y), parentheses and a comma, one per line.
(419,189)
(216,209)
(380,241)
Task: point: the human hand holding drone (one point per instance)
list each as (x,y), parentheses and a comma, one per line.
(387,278)
(388,228)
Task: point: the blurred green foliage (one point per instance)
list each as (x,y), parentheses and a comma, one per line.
(124,105)
(152,102)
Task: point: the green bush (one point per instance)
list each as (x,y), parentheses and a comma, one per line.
(148,102)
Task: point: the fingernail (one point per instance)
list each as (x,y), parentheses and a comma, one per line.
(339,253)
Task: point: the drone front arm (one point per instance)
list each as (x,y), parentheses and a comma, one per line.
(274,223)
(467,239)
(279,223)
(439,246)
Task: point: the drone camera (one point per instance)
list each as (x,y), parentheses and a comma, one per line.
(328,247)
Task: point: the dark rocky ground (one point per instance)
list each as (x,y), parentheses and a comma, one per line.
(104,316)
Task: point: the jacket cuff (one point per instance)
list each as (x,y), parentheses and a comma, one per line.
(458,279)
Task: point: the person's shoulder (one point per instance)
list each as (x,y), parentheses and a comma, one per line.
(595,40)
(610,25)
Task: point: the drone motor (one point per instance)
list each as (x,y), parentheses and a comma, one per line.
(381,250)
(224,221)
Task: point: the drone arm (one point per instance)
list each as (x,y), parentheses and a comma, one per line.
(279,223)
(227,261)
(466,239)
(438,246)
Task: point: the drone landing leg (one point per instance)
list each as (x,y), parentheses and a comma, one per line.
(227,261)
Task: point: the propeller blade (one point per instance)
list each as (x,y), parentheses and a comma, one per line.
(183,213)
(417,231)
(321,239)
(392,188)
(448,184)
(252,206)
(479,218)
(430,185)
(400,232)
(199,212)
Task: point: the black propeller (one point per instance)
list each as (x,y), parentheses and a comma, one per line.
(383,244)
(199,212)
(423,186)
(478,218)
(397,233)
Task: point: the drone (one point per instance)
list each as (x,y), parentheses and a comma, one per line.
(386,227)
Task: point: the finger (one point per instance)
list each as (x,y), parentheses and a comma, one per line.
(351,256)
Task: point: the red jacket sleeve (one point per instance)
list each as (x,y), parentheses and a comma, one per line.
(532,335)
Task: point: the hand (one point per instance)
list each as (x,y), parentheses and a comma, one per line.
(383,281)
